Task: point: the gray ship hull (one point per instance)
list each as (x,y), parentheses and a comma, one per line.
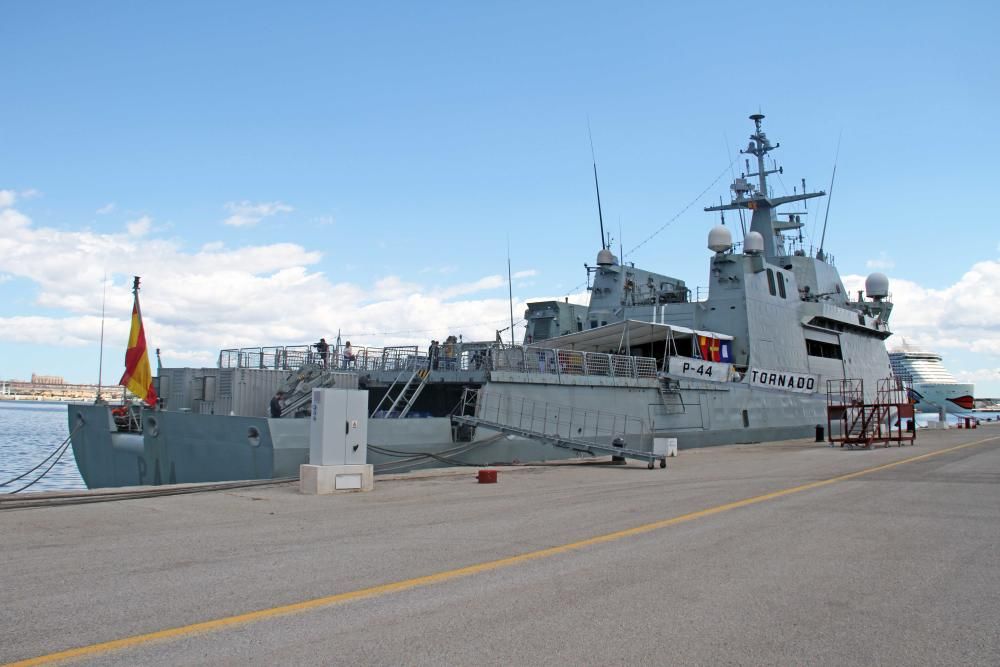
(185,447)
(178,447)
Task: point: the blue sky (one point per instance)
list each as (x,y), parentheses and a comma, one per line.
(372,160)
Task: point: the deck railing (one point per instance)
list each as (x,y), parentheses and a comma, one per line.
(460,357)
(545,361)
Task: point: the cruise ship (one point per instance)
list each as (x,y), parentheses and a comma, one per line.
(934,387)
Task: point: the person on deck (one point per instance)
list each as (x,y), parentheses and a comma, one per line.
(324,351)
(276,404)
(348,355)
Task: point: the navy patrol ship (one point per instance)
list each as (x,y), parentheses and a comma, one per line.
(646,360)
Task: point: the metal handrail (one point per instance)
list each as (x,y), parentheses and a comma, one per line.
(548,361)
(463,357)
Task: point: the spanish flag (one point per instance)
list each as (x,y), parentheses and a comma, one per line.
(137,378)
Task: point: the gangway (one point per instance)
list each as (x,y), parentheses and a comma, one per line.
(589,431)
(300,386)
(406,394)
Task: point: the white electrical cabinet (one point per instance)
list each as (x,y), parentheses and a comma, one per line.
(338,433)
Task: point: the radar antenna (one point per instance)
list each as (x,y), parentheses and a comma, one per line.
(757,197)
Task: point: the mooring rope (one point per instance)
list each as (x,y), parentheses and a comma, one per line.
(60,450)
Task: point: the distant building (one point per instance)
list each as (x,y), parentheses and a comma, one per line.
(46,379)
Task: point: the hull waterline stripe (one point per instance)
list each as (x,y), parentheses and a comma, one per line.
(448,575)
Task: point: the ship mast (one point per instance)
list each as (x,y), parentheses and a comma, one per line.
(745,196)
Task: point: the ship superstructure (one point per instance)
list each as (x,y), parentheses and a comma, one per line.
(783,308)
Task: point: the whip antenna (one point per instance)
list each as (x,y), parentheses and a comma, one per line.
(510,294)
(822,239)
(597,187)
(100,355)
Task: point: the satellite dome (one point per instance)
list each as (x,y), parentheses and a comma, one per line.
(753,244)
(877,286)
(720,239)
(606,258)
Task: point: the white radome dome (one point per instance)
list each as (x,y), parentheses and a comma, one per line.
(877,286)
(720,239)
(753,244)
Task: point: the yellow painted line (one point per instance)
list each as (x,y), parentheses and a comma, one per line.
(448,575)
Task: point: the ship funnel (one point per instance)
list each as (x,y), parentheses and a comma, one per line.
(877,286)
(720,239)
(753,243)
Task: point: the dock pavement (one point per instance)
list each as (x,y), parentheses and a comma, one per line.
(781,553)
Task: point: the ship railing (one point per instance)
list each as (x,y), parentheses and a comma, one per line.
(546,361)
(472,356)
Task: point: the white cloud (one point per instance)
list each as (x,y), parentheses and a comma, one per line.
(525,274)
(65,332)
(140,226)
(247,213)
(9,197)
(882,263)
(963,316)
(107,208)
(196,302)
(991,375)
(12,220)
(485,283)
(324,220)
(448,268)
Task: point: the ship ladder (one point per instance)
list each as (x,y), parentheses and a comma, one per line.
(859,431)
(402,393)
(670,396)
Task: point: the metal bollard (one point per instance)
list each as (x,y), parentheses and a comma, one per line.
(620,443)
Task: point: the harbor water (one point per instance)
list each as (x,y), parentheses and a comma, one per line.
(30,431)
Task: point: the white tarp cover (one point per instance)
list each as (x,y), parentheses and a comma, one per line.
(610,336)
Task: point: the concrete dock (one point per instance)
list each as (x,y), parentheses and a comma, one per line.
(781,553)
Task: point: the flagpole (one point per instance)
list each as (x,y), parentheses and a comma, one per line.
(137,377)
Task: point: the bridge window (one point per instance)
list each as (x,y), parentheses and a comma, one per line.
(816,348)
(781,284)
(770,281)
